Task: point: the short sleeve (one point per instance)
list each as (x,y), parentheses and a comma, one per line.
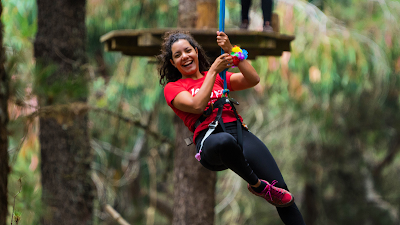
(171,90)
(228,80)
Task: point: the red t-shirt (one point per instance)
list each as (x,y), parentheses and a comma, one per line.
(192,86)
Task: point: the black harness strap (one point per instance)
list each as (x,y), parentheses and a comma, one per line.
(239,127)
(218,120)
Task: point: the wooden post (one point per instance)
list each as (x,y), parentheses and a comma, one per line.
(206,14)
(275,22)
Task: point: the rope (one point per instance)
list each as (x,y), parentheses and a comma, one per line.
(222,28)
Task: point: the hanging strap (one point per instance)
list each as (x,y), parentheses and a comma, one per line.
(239,126)
(214,124)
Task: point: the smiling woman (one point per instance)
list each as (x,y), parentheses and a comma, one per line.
(194,89)
(185,59)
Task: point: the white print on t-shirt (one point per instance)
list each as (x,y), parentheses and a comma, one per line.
(214,93)
(194,92)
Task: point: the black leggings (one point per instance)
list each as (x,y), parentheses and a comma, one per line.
(221,151)
(266,6)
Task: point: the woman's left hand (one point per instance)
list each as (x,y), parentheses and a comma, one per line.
(223,42)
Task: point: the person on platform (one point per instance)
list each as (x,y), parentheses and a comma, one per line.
(266,6)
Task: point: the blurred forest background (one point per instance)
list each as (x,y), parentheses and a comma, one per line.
(328,111)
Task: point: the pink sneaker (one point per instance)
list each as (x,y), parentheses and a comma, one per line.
(278,197)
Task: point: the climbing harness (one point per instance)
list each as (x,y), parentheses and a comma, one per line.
(219,104)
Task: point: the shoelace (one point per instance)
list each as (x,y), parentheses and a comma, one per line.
(270,187)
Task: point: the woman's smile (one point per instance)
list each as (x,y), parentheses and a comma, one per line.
(188,63)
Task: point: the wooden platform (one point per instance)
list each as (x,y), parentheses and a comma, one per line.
(147,42)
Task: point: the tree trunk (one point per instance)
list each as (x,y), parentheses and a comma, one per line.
(310,203)
(66,155)
(311,189)
(187,17)
(194,185)
(4,168)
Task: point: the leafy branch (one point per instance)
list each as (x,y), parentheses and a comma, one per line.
(17,217)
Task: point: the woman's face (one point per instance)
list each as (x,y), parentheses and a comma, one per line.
(185,57)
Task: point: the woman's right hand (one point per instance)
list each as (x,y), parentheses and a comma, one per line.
(223,62)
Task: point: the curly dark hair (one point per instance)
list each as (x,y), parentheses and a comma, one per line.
(168,73)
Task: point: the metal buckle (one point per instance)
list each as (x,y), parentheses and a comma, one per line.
(233,101)
(213,125)
(189,140)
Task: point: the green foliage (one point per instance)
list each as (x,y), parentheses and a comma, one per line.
(59,89)
(17,216)
(27,202)
(19,19)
